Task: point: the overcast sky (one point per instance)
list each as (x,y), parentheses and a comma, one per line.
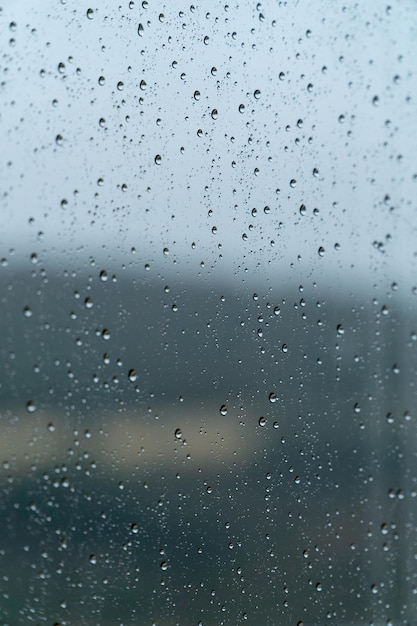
(328,122)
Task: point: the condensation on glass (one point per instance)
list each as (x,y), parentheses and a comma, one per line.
(208,302)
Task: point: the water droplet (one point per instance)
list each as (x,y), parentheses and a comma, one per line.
(142,85)
(178,433)
(375,101)
(321,251)
(120,85)
(241,108)
(293,183)
(340,330)
(257,94)
(132,375)
(197,95)
(106,334)
(51,427)
(101,80)
(103,276)
(140,30)
(31,406)
(158,159)
(262,421)
(59,140)
(273,397)
(223,409)
(214,114)
(319,587)
(88,303)
(206,40)
(134,528)
(174,308)
(27,311)
(90,14)
(93,559)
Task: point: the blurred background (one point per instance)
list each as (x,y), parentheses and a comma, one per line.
(208,313)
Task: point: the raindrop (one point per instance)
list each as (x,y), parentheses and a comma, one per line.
(103,276)
(340,330)
(273,397)
(31,406)
(257,94)
(27,311)
(120,85)
(214,114)
(132,375)
(178,433)
(223,409)
(90,14)
(59,140)
(142,85)
(140,30)
(158,159)
(134,528)
(93,559)
(106,334)
(241,108)
(321,251)
(262,421)
(197,95)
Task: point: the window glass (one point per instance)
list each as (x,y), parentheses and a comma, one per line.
(208,303)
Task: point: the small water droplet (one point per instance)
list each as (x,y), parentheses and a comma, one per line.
(197,95)
(140,30)
(90,14)
(142,85)
(321,251)
(132,375)
(273,397)
(106,334)
(223,409)
(214,114)
(120,85)
(134,528)
(31,406)
(178,433)
(241,108)
(262,421)
(257,94)
(93,559)
(158,159)
(27,311)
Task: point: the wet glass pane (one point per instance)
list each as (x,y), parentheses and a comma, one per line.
(208,305)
